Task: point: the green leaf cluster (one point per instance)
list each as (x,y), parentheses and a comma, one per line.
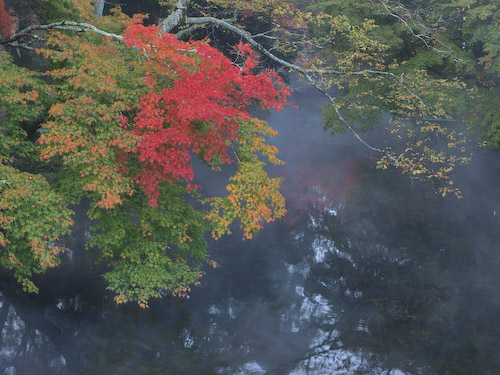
(32,218)
(151,251)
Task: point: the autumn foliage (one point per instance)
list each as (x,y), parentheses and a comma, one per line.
(117,113)
(199,114)
(121,121)
(6,22)
(21,227)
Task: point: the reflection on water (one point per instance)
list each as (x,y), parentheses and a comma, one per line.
(365,275)
(24,348)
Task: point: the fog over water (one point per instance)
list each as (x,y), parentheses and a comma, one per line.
(367,274)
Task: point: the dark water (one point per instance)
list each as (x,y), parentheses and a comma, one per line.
(367,274)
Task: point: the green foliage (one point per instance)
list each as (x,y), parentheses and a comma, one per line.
(481,29)
(20,105)
(96,82)
(485,115)
(51,11)
(480,32)
(32,218)
(32,214)
(152,251)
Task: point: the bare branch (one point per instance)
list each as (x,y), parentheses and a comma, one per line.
(191,28)
(61,25)
(23,46)
(180,34)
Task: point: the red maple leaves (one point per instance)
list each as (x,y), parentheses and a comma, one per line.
(6,22)
(197,110)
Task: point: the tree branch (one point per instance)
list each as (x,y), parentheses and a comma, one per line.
(61,25)
(176,18)
(294,67)
(343,120)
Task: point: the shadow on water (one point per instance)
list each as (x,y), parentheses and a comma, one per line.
(366,274)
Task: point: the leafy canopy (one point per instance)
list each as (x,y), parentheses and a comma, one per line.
(123,109)
(120,121)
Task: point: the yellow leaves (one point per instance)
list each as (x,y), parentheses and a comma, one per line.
(431,154)
(120,298)
(252,141)
(355,48)
(433,127)
(254,199)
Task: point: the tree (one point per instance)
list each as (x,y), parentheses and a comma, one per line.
(476,29)
(121,117)
(123,107)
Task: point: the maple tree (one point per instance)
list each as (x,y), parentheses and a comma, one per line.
(122,107)
(121,118)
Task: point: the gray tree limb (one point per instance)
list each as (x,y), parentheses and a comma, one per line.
(247,37)
(61,25)
(176,18)
(342,120)
(179,17)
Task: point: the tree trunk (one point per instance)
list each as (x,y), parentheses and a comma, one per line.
(99,8)
(177,17)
